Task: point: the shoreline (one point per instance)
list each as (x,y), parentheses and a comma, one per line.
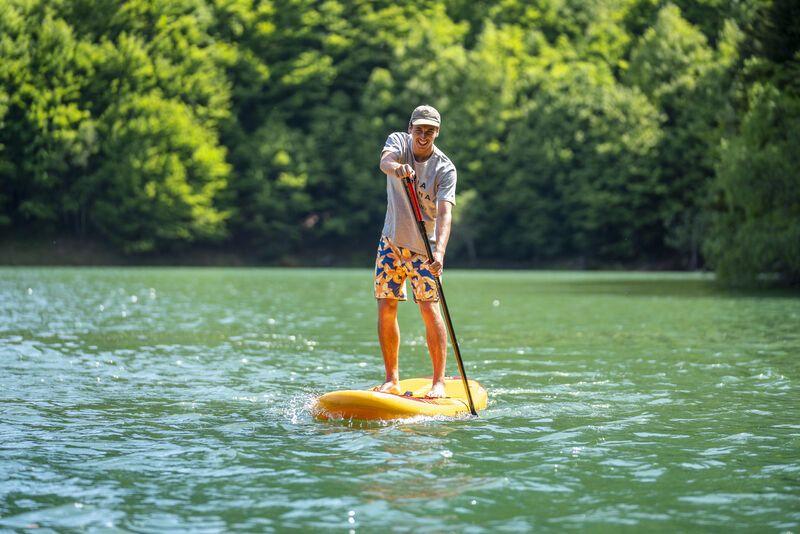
(71,252)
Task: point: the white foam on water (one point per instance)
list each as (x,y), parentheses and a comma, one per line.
(299,406)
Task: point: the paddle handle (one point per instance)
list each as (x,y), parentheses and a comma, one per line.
(411,193)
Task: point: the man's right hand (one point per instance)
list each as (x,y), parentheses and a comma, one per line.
(403,170)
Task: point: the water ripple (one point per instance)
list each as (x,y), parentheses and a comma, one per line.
(180,400)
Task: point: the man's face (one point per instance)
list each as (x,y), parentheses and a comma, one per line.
(423,135)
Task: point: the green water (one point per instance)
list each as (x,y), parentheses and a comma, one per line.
(178,400)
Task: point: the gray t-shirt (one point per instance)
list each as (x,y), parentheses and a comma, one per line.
(436,180)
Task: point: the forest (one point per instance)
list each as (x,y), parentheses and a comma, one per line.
(587,134)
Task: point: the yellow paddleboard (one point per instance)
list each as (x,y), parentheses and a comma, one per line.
(372,405)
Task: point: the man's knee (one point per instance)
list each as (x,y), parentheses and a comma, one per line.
(387,307)
(429,309)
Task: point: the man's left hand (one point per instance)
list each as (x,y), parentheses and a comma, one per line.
(437,265)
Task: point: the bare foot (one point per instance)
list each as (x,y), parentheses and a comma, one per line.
(389,386)
(437,391)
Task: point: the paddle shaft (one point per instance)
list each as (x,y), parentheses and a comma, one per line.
(411,193)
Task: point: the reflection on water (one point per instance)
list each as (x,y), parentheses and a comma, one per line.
(158,399)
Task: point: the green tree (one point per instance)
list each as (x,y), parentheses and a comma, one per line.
(159,175)
(756,234)
(759,231)
(270,193)
(685,78)
(48,134)
(578,179)
(5,209)
(580,129)
(302,71)
(182,60)
(66,76)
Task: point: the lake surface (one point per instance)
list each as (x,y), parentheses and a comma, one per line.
(178,400)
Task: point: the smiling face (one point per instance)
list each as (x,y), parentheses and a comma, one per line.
(422,138)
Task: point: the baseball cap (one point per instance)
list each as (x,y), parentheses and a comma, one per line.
(426,115)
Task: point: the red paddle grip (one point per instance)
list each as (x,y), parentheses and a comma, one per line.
(412,194)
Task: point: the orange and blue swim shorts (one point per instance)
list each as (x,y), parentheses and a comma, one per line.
(393,265)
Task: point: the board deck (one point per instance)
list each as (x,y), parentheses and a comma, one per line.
(374,405)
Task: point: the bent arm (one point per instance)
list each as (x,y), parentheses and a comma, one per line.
(392,167)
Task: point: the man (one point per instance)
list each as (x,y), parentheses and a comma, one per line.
(401,251)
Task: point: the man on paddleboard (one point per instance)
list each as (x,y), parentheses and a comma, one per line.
(401,251)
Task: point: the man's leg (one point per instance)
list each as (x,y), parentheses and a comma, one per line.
(436,337)
(389,338)
(390,288)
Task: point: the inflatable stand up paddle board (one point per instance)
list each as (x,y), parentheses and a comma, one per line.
(374,405)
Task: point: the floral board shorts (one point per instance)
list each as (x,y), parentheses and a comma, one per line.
(393,265)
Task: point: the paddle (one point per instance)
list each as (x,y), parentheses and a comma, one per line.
(411,193)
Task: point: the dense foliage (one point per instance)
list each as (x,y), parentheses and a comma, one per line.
(610,131)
